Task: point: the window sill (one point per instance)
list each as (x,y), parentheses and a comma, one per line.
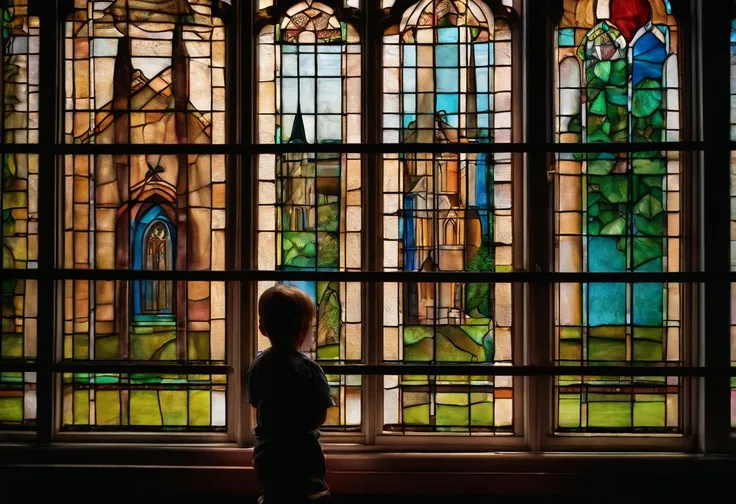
(355,470)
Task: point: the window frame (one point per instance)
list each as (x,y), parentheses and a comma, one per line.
(707,270)
(685,441)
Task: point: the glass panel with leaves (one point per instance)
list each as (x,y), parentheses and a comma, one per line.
(447,80)
(19,58)
(144,72)
(310,213)
(617,82)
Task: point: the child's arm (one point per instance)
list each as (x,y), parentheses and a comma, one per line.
(322,398)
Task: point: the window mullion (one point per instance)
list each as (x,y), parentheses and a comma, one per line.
(49,96)
(538,52)
(714,56)
(243,78)
(372,406)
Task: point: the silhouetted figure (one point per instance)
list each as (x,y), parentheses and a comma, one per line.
(291,396)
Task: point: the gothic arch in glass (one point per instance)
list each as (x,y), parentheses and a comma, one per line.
(310,204)
(447,75)
(144,72)
(617,82)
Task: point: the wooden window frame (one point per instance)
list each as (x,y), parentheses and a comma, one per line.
(706,59)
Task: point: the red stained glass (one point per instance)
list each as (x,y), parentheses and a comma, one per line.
(630,16)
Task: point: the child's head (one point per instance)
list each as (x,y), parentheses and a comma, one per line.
(285,315)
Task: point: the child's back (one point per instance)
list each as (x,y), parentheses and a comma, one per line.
(291,396)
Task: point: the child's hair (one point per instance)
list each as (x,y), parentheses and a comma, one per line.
(285,315)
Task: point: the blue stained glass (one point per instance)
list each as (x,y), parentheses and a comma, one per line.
(329,64)
(606,304)
(409,81)
(310,288)
(484,121)
(481,78)
(604,256)
(410,56)
(447,55)
(648,304)
(649,57)
(408,119)
(445,35)
(448,80)
(481,184)
(410,103)
(649,297)
(448,103)
(483,54)
(307,64)
(567,37)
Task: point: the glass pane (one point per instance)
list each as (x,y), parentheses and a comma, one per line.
(17,401)
(143,73)
(310,204)
(144,402)
(447,79)
(19,190)
(617,81)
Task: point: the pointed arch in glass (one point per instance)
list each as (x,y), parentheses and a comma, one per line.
(310,213)
(447,74)
(138,71)
(19,100)
(617,82)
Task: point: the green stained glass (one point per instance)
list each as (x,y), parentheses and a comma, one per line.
(147,402)
(17,401)
(618,212)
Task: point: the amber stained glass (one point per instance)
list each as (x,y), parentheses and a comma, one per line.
(145,72)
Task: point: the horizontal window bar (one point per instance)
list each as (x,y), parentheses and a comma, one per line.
(164,367)
(386,369)
(502,370)
(387,148)
(372,276)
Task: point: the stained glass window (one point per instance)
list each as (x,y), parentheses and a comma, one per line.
(617,82)
(153,72)
(447,79)
(19,193)
(309,214)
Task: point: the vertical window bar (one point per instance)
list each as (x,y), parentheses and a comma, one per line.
(538,50)
(245,75)
(372,221)
(49,60)
(714,31)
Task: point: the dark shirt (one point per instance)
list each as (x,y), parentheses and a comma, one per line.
(290,393)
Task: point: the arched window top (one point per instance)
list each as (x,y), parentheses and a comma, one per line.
(310,21)
(445,13)
(154,17)
(627,15)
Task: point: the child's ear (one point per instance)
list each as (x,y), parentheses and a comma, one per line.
(260,328)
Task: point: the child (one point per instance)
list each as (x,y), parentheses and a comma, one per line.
(291,396)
